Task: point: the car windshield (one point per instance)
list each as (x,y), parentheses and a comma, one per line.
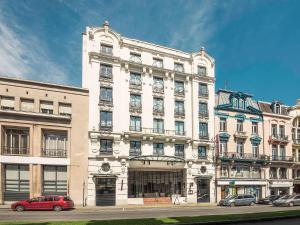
(287,197)
(229,197)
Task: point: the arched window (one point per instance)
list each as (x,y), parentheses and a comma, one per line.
(277,108)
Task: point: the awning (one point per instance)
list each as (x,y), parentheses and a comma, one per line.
(161,158)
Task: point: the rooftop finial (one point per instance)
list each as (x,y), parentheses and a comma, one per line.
(202,49)
(106,23)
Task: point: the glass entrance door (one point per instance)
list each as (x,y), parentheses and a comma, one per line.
(203,190)
(105,191)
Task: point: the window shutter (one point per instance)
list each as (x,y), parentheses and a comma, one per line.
(8,102)
(27,105)
(65,109)
(47,105)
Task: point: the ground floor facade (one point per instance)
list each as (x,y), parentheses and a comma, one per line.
(157,180)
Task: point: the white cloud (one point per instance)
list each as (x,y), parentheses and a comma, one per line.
(24,55)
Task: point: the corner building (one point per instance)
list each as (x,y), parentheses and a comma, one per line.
(150,121)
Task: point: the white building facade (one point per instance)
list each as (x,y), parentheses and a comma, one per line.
(151,121)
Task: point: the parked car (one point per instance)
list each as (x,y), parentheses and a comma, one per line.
(268,200)
(56,203)
(287,200)
(238,200)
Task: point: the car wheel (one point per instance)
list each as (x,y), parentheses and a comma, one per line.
(291,204)
(232,204)
(252,204)
(57,208)
(20,208)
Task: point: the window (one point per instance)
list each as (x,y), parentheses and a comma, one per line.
(16,141)
(135,123)
(223,124)
(158,149)
(106,71)
(240,171)
(241,103)
(254,128)
(158,62)
(27,105)
(202,153)
(235,103)
(55,180)
(203,92)
(106,94)
(65,109)
(178,67)
(203,130)
(179,108)
(202,71)
(158,84)
(277,108)
(282,152)
(273,173)
(240,148)
(282,173)
(274,130)
(224,171)
(274,152)
(255,150)
(158,126)
(282,131)
(223,148)
(7,103)
(54,144)
(135,79)
(135,101)
(179,150)
(135,148)
(239,125)
(106,146)
(46,107)
(158,105)
(135,57)
(16,182)
(203,111)
(105,119)
(179,128)
(179,87)
(106,49)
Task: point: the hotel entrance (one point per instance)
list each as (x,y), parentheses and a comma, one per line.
(203,190)
(105,191)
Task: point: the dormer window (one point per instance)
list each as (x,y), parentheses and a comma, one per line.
(241,104)
(106,49)
(158,62)
(135,57)
(235,103)
(277,108)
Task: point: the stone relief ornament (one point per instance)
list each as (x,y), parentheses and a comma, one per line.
(105,168)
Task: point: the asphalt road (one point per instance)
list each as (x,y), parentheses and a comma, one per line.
(131,213)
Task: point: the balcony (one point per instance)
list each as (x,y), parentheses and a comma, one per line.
(135,128)
(106,151)
(204,137)
(179,113)
(179,92)
(105,102)
(55,153)
(203,114)
(158,111)
(135,152)
(275,138)
(105,128)
(282,158)
(242,156)
(15,150)
(135,84)
(240,135)
(296,141)
(158,89)
(135,108)
(203,95)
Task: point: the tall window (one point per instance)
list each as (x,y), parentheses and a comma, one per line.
(179,107)
(135,123)
(255,150)
(106,49)
(179,128)
(223,148)
(106,94)
(178,67)
(282,131)
(158,84)
(54,144)
(105,119)
(7,103)
(135,101)
(202,152)
(202,71)
(277,108)
(158,126)
(274,130)
(135,79)
(240,148)
(282,173)
(274,152)
(282,152)
(239,126)
(158,105)
(203,111)
(235,103)
(273,173)
(55,180)
(179,150)
(254,128)
(16,141)
(106,71)
(16,183)
(241,103)
(135,148)
(106,146)
(203,91)
(27,105)
(203,130)
(179,87)
(158,62)
(223,124)
(158,149)
(46,107)
(135,57)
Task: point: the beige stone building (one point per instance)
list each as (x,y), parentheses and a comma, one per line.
(43,140)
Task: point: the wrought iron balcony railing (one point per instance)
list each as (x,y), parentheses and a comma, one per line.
(56,153)
(238,155)
(279,138)
(282,158)
(15,150)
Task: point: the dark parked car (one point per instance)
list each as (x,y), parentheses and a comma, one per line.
(268,200)
(56,203)
(287,200)
(238,200)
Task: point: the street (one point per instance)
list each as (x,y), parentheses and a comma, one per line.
(131,213)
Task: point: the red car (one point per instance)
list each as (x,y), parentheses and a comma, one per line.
(56,203)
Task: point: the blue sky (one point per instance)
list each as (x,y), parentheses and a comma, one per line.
(256,43)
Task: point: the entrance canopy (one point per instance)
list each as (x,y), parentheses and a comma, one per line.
(160,158)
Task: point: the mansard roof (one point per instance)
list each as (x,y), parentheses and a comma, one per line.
(266,107)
